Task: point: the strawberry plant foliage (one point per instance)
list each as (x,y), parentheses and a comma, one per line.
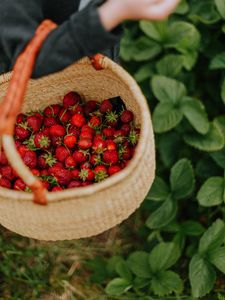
(178,251)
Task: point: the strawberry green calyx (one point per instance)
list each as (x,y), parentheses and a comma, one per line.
(111,117)
(30,143)
(50,179)
(83,174)
(49,159)
(100,176)
(133,137)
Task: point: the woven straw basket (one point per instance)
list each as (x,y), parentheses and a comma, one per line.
(87,211)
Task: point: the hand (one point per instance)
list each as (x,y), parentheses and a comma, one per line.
(114,12)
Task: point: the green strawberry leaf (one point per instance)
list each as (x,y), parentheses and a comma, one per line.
(219,157)
(202,276)
(182,7)
(218,62)
(159,190)
(220,5)
(204,11)
(192,228)
(213,238)
(123,271)
(145,49)
(117,287)
(138,264)
(170,65)
(163,256)
(166,117)
(223,91)
(166,282)
(157,31)
(182,179)
(217,258)
(163,215)
(167,89)
(195,113)
(211,192)
(212,141)
(144,72)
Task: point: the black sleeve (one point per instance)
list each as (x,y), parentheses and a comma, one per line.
(82,34)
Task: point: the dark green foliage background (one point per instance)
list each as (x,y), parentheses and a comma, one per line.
(174,245)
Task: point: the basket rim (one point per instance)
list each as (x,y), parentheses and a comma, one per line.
(145,124)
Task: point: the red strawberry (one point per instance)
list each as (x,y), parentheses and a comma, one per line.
(30,159)
(126,128)
(5,183)
(90,106)
(108,132)
(57,130)
(18,144)
(19,185)
(22,150)
(49,121)
(7,172)
(64,115)
(112,118)
(44,173)
(61,153)
(86,135)
(95,159)
(70,141)
(77,109)
(111,157)
(42,140)
(98,137)
(106,106)
(46,160)
(80,156)
(85,165)
(74,184)
(46,184)
(3,159)
(70,162)
(100,173)
(39,115)
(119,136)
(96,61)
(59,164)
(86,183)
(87,128)
(74,131)
(52,110)
(95,121)
(57,189)
(78,120)
(99,146)
(87,175)
(34,122)
(22,132)
(20,118)
(36,172)
(114,169)
(71,99)
(127,153)
(84,144)
(46,130)
(127,116)
(56,141)
(75,173)
(110,145)
(62,175)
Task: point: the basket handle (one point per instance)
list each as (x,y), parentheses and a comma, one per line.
(12,104)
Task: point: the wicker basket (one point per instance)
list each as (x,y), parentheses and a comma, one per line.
(88,211)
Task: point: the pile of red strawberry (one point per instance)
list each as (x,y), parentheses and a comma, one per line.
(74,144)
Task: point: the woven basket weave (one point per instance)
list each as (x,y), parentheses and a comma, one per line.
(88,211)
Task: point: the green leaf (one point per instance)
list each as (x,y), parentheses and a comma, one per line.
(204,11)
(195,112)
(212,238)
(211,192)
(223,91)
(192,228)
(123,271)
(144,72)
(168,90)
(182,179)
(159,190)
(182,8)
(170,65)
(111,264)
(183,36)
(169,147)
(145,49)
(212,141)
(189,59)
(219,157)
(140,283)
(163,256)
(217,258)
(163,215)
(220,121)
(202,276)
(218,62)
(166,282)
(166,117)
(220,4)
(117,287)
(157,31)
(138,263)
